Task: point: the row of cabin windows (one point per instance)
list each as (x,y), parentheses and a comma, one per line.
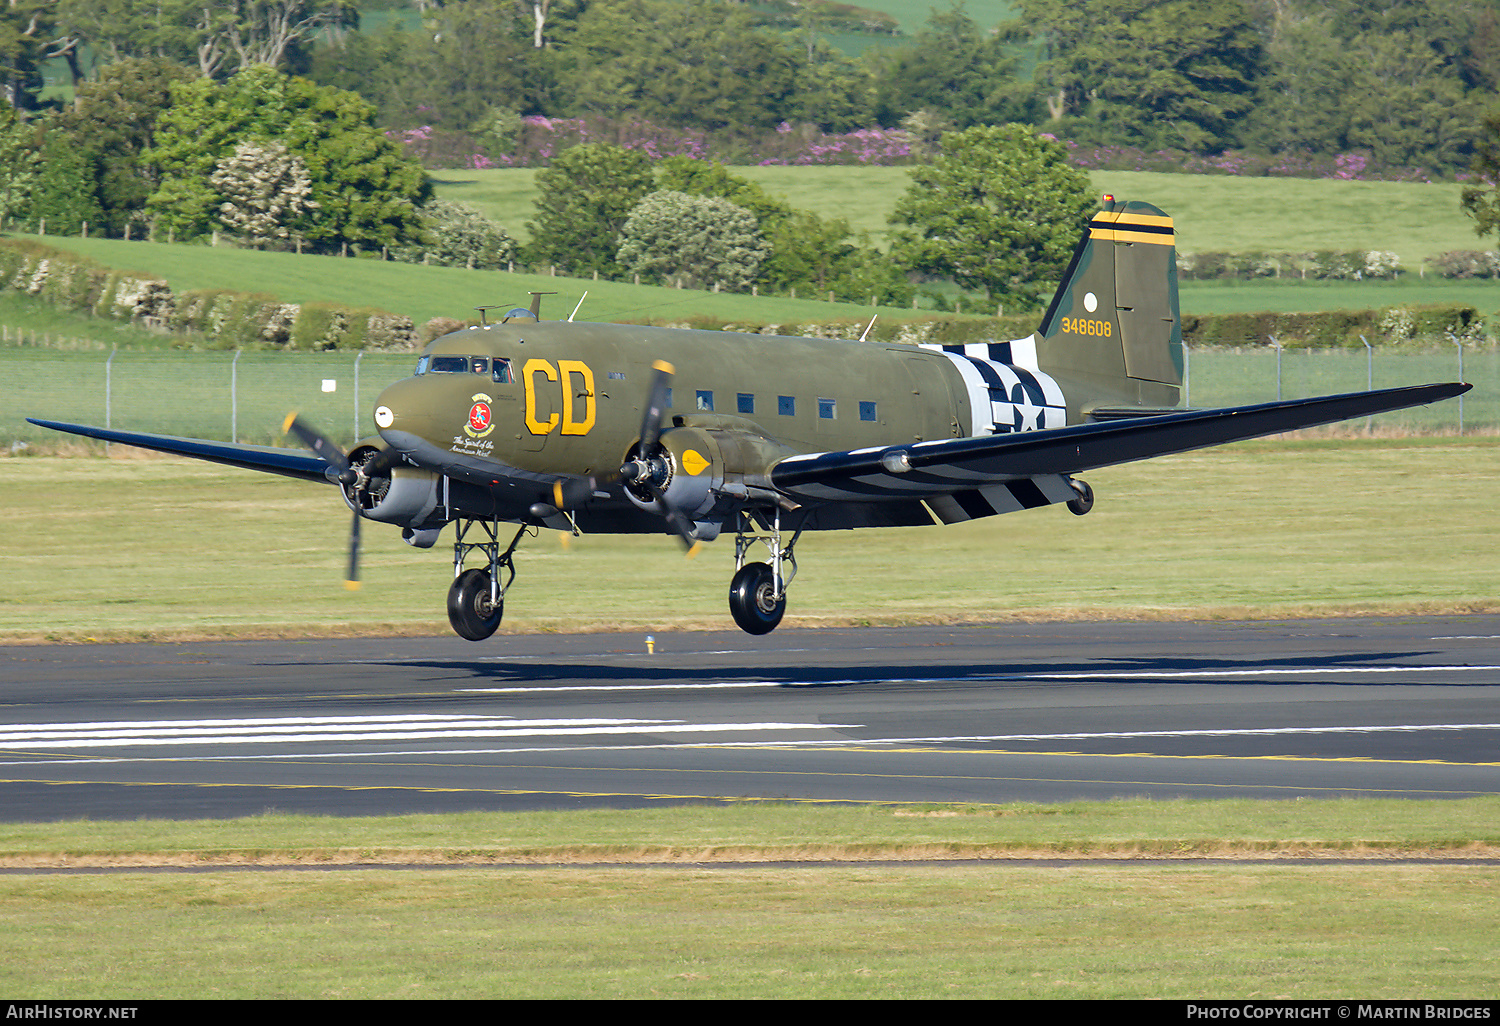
(786,405)
(500,372)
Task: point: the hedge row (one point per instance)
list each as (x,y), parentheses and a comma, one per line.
(227,319)
(1326,265)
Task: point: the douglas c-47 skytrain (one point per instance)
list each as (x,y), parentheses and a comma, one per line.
(614,428)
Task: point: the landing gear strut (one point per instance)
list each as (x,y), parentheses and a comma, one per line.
(476,599)
(757,593)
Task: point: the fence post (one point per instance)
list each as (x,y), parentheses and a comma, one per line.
(234,398)
(1277,343)
(1460,346)
(356,398)
(109,370)
(1187,378)
(1369,379)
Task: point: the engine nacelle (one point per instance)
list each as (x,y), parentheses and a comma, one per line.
(400,495)
(689,472)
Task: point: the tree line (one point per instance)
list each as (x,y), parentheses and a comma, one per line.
(276,123)
(1407,81)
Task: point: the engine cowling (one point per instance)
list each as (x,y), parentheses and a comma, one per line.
(688,467)
(400,495)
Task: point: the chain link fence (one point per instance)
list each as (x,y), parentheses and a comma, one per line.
(246,396)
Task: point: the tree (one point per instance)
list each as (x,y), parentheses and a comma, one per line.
(1482,201)
(266,191)
(367,192)
(998,209)
(695,241)
(953,69)
(698,63)
(807,253)
(1146,72)
(20,158)
(218,38)
(113,120)
(582,204)
(457,235)
(1404,82)
(63,194)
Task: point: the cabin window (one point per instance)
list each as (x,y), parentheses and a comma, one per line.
(866,410)
(479,365)
(448,365)
(501,373)
(747,402)
(669,400)
(826,409)
(705,401)
(422,365)
(786,405)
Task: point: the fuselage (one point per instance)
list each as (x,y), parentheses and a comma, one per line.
(557,397)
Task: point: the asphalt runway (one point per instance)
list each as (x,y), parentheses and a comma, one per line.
(1396,707)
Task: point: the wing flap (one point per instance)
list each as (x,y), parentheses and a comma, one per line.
(927,469)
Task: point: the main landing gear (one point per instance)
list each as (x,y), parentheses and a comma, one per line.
(476,599)
(757,593)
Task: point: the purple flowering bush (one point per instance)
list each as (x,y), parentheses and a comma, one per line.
(540,139)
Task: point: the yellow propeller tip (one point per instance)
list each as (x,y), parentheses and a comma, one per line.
(351,585)
(557,493)
(693,551)
(286,425)
(663,365)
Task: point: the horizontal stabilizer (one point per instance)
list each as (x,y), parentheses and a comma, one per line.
(286,462)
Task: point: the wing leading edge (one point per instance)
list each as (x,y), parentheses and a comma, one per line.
(947,467)
(286,462)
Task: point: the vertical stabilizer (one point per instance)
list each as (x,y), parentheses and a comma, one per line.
(1113,327)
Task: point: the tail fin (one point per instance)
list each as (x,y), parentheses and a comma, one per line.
(1113,329)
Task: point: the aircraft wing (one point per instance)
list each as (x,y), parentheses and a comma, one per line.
(990,474)
(287,462)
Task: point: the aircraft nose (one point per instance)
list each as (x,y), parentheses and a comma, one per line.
(401,415)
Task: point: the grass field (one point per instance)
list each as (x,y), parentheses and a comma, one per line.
(142,548)
(696,924)
(1212,213)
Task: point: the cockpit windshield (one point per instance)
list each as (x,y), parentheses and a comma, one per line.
(498,368)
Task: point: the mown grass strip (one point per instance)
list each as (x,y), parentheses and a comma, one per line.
(778,831)
(1007,932)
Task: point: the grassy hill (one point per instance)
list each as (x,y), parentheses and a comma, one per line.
(1212,212)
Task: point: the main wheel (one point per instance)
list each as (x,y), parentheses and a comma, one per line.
(1085,500)
(470,611)
(752,599)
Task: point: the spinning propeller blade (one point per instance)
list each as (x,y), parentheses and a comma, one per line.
(568,493)
(335,457)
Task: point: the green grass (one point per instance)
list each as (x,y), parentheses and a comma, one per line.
(1212,213)
(693,926)
(973,932)
(759,831)
(98,549)
(423,293)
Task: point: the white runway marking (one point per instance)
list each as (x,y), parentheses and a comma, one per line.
(307,730)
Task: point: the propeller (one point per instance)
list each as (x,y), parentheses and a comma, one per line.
(644,470)
(347,474)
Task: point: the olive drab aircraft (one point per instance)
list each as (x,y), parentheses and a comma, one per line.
(617,428)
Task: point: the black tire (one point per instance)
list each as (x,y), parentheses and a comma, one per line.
(750,599)
(1085,500)
(469,609)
